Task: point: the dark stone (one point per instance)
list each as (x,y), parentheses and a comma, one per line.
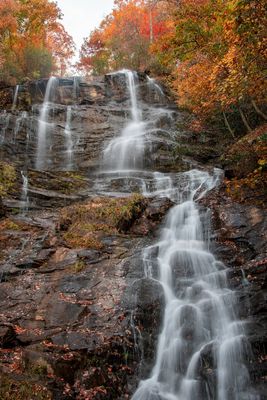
(7,337)
(2,209)
(62,313)
(73,284)
(147,299)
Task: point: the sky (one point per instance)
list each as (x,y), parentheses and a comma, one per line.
(82,16)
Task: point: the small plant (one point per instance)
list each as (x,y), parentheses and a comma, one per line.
(12,226)
(85,224)
(7,178)
(40,369)
(79,266)
(14,390)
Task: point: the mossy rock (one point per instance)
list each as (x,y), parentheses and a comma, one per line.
(247,154)
(85,224)
(246,168)
(8,178)
(11,389)
(63,182)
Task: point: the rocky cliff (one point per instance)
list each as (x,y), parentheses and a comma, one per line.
(78,318)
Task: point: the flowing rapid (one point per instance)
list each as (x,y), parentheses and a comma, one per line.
(201,314)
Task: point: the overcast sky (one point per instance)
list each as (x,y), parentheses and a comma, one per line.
(82,16)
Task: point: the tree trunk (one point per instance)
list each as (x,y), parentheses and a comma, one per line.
(150,24)
(258,111)
(228,125)
(245,122)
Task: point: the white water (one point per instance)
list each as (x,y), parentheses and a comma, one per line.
(153,85)
(24,192)
(68,139)
(75,91)
(20,119)
(44,126)
(15,98)
(201,314)
(200,309)
(4,123)
(126,151)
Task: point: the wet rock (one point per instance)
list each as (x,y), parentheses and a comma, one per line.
(60,313)
(152,216)
(2,209)
(74,284)
(74,340)
(147,302)
(240,241)
(7,336)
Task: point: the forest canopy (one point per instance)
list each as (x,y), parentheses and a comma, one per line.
(213,51)
(33,41)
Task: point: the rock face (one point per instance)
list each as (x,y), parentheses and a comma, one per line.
(98,111)
(64,322)
(240,240)
(79,320)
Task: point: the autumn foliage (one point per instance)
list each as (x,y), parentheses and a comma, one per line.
(125,36)
(33,42)
(220,47)
(213,50)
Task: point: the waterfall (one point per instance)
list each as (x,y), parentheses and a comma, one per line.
(15,98)
(22,117)
(24,192)
(75,91)
(201,314)
(44,126)
(69,141)
(200,309)
(126,151)
(154,86)
(4,124)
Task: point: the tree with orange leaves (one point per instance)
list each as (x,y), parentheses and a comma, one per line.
(216,55)
(32,40)
(125,36)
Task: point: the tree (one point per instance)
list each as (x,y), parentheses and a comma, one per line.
(216,55)
(124,37)
(31,34)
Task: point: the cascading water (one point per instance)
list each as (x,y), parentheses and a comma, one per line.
(200,309)
(126,151)
(154,86)
(15,98)
(75,91)
(4,123)
(24,192)
(69,141)
(200,315)
(44,126)
(19,121)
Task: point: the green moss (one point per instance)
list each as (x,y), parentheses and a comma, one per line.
(79,266)
(7,178)
(85,224)
(10,225)
(62,182)
(40,369)
(22,390)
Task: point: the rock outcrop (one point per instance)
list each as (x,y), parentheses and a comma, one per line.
(78,318)
(240,241)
